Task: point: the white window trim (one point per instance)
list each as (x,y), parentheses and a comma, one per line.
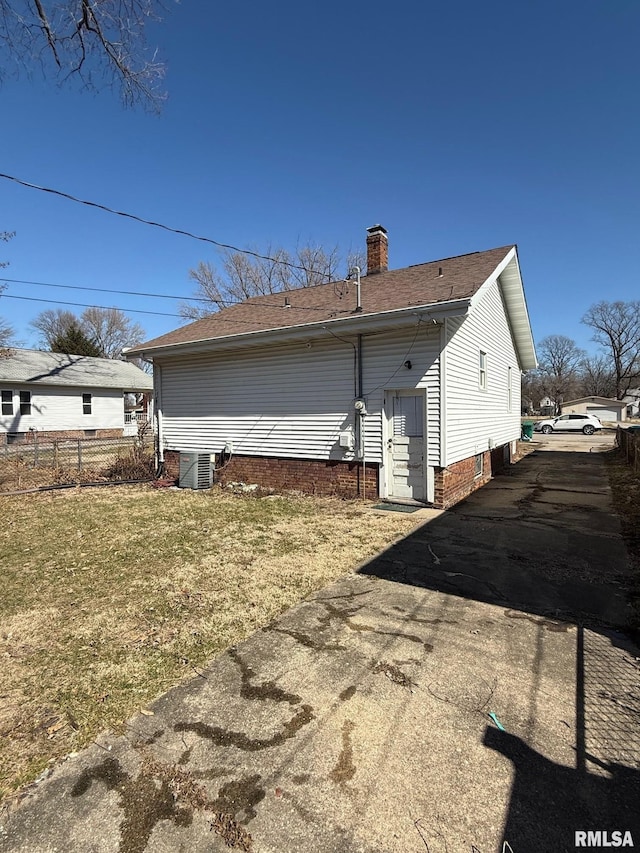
(509,389)
(26,402)
(8,402)
(482,370)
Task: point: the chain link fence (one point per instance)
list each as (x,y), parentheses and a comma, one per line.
(62,462)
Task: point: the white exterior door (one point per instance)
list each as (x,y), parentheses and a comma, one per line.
(405,445)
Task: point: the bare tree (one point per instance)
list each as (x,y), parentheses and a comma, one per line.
(559,361)
(111,329)
(53,323)
(616,327)
(100,42)
(242,276)
(5,236)
(7,332)
(597,377)
(108,328)
(533,390)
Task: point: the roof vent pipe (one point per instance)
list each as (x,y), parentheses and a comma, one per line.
(354,275)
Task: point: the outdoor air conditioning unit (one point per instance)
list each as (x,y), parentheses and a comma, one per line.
(196,471)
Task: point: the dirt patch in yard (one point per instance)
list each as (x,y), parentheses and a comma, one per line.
(112,596)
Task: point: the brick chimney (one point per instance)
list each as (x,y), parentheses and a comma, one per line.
(377,250)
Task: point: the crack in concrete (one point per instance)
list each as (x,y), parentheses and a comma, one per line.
(345,769)
(265,690)
(228,737)
(143,803)
(307,640)
(551,625)
(345,617)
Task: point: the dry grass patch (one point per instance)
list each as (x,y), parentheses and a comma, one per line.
(112,596)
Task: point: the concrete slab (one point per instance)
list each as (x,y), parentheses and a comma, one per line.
(360,720)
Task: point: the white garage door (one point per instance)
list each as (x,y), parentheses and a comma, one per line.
(603,414)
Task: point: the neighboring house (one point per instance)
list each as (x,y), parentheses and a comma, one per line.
(602,407)
(547,407)
(632,399)
(65,396)
(406,387)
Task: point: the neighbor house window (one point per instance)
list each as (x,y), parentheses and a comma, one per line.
(86,404)
(25,402)
(509,392)
(482,381)
(477,471)
(7,402)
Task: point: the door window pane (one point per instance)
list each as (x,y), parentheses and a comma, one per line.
(407,416)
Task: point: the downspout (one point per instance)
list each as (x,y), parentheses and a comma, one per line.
(157,393)
(361,414)
(443,394)
(359,387)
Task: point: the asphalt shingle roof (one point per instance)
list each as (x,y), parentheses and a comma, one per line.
(52,368)
(424,284)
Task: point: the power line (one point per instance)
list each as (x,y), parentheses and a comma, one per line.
(213,316)
(225,302)
(103,290)
(85,305)
(163,227)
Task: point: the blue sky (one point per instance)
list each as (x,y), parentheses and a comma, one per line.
(459,126)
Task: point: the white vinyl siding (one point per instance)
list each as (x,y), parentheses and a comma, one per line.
(53,408)
(294,400)
(480,418)
(383,359)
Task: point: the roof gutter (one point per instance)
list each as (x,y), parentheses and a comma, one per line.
(359,324)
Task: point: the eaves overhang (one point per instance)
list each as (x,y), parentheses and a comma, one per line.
(354,324)
(515,303)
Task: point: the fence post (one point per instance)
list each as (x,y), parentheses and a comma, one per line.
(79,454)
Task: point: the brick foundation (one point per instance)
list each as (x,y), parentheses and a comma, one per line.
(343,479)
(312,476)
(57,435)
(456,482)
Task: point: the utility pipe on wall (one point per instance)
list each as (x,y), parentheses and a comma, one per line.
(361,412)
(157,387)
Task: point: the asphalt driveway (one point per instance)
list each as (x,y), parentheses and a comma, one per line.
(470,686)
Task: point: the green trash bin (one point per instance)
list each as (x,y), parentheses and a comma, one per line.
(527,430)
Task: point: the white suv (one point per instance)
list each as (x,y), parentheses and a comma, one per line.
(587,424)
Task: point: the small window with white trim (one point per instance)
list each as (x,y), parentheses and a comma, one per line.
(7,402)
(482,375)
(25,402)
(86,404)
